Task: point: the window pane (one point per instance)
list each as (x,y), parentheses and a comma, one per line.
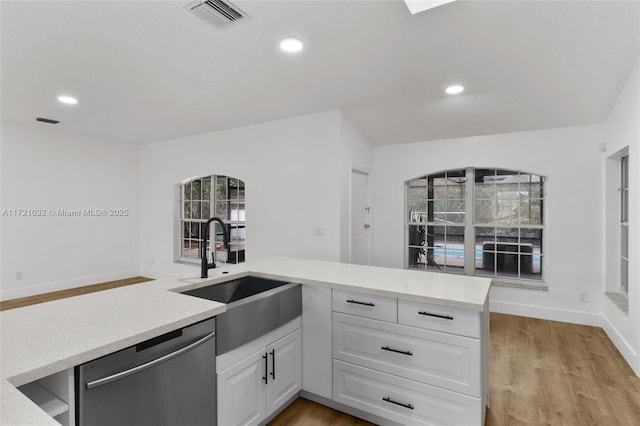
(186,193)
(485,187)
(416,235)
(240,189)
(206,189)
(221,187)
(205,209)
(417,258)
(624,208)
(530,212)
(455,211)
(454,249)
(221,210)
(417,201)
(624,275)
(624,241)
(484,211)
(196,190)
(186,210)
(530,186)
(485,250)
(195,209)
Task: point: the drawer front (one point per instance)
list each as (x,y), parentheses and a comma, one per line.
(440,318)
(366,305)
(401,400)
(445,360)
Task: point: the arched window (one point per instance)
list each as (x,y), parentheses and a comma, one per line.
(211,196)
(477,221)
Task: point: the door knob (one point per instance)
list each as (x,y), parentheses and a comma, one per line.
(367,226)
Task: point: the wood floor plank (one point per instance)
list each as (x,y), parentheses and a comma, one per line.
(62,294)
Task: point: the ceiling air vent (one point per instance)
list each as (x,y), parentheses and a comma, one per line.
(217,12)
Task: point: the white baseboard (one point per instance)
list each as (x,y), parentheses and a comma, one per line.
(622,345)
(542,312)
(156,275)
(64,285)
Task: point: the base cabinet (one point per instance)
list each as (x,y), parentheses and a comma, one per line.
(410,363)
(400,400)
(255,387)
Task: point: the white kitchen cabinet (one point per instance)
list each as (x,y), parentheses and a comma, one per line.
(440,359)
(285,370)
(241,395)
(365,305)
(258,385)
(401,400)
(425,365)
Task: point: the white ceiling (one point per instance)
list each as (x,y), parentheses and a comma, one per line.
(147,71)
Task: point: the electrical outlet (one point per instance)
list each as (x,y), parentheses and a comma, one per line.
(318,232)
(584,296)
(19,276)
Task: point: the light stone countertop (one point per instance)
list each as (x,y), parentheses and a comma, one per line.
(43,339)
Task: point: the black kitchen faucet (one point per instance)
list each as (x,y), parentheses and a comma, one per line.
(205,265)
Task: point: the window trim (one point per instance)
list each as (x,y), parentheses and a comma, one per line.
(470,228)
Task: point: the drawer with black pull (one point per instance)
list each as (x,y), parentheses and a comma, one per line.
(366,305)
(440,318)
(440,359)
(401,400)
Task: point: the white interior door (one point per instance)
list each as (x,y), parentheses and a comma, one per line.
(360,214)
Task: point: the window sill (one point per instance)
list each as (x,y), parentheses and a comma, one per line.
(621,301)
(497,282)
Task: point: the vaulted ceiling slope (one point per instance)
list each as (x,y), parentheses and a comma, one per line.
(146,71)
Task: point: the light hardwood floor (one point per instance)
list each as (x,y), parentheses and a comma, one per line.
(55,295)
(541,373)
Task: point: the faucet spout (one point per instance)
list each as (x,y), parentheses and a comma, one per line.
(205,265)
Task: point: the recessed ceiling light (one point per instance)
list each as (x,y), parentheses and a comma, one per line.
(67,100)
(454,89)
(291,44)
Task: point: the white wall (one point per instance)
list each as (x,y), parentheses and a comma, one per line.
(292,186)
(623,130)
(573,246)
(356,153)
(44,169)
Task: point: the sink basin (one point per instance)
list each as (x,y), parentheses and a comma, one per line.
(255,306)
(231,291)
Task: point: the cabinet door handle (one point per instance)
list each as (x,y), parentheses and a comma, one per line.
(387,399)
(266,369)
(273,364)
(429,314)
(361,303)
(387,348)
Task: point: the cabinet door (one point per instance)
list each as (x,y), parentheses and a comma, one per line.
(285,370)
(242,392)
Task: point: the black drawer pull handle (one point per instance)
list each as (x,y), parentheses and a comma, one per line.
(429,314)
(387,348)
(266,369)
(273,364)
(361,303)
(409,406)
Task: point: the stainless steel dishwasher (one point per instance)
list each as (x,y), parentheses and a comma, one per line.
(169,380)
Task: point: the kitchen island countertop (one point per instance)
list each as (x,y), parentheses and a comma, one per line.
(43,339)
